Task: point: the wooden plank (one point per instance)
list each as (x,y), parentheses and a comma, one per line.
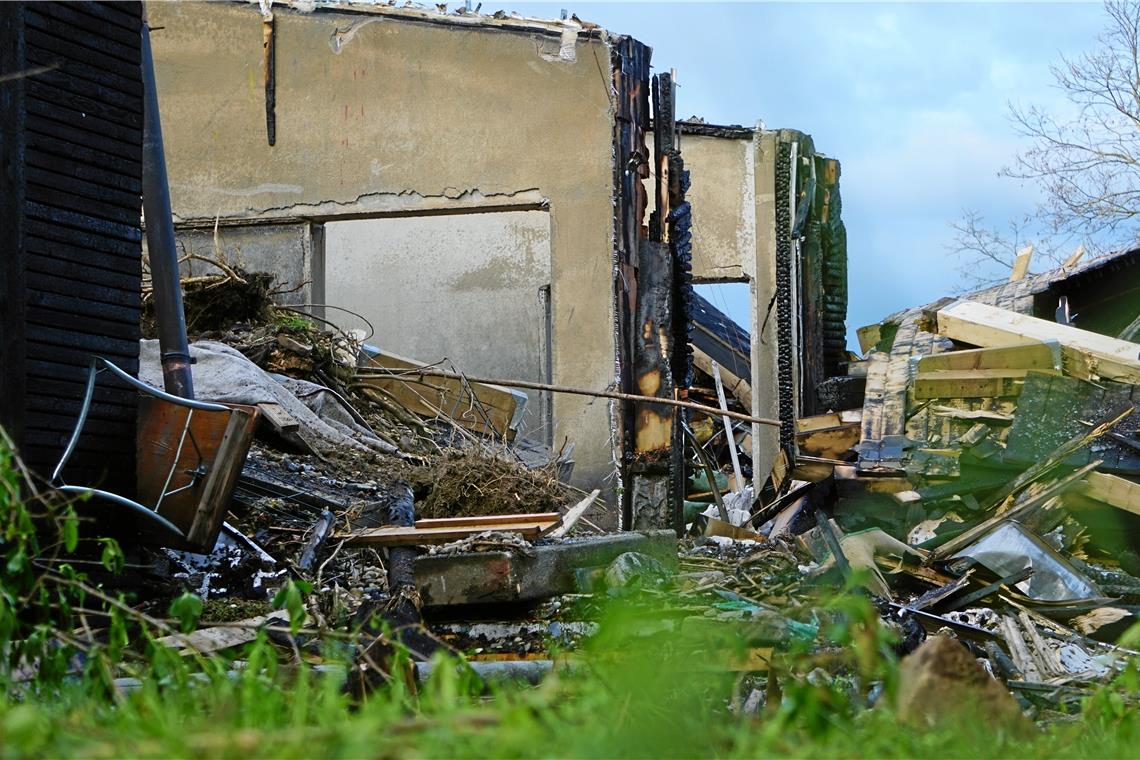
(868,337)
(479,407)
(979,415)
(830,443)
(1025,356)
(973,383)
(395,535)
(740,388)
(453,522)
(279,419)
(223,474)
(826,421)
(1074,257)
(1084,354)
(1021,264)
(218,638)
(1113,490)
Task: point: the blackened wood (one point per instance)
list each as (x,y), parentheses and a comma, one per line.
(108,248)
(72,144)
(124,14)
(80,248)
(95,175)
(270,63)
(12,114)
(84,31)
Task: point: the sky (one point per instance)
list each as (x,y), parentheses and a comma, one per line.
(912,98)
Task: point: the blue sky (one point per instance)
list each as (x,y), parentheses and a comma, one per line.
(911,98)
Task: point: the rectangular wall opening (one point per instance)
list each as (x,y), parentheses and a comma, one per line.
(469,291)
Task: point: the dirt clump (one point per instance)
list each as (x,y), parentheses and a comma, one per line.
(475,482)
(218,301)
(941,683)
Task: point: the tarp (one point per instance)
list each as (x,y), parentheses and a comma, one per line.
(223,374)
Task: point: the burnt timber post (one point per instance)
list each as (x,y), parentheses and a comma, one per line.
(652,362)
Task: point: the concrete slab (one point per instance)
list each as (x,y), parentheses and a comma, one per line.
(496,577)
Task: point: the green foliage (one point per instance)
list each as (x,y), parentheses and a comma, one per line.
(286,321)
(187,608)
(39,589)
(630,693)
(650,684)
(291,598)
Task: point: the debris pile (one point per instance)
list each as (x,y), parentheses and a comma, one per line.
(979,497)
(982,491)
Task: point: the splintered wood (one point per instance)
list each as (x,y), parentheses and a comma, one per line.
(1085,354)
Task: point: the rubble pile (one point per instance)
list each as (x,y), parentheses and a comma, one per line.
(982,491)
(990,531)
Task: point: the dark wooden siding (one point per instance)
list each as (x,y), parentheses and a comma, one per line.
(74,273)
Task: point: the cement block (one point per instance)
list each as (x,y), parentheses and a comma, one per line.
(496,577)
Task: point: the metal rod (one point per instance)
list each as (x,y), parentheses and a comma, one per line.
(411,374)
(170,316)
(728,429)
(270,62)
(709,473)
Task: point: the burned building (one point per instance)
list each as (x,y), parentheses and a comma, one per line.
(510,197)
(767,212)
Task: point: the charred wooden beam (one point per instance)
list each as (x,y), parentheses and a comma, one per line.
(269,62)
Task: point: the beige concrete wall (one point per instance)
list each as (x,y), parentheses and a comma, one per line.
(286,250)
(475,304)
(378,114)
(724,206)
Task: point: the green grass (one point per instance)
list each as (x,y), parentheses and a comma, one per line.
(627,695)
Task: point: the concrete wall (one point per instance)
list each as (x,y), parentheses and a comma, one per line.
(724,206)
(476,301)
(765,365)
(733,197)
(379,114)
(286,250)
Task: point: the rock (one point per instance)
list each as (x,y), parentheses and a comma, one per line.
(633,569)
(942,683)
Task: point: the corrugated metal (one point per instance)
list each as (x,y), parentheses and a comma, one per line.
(81,244)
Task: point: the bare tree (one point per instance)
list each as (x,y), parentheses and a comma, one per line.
(987,252)
(1088,163)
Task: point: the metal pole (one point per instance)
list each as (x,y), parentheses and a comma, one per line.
(163,253)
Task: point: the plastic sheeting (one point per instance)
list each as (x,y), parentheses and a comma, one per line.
(223,374)
(1011,547)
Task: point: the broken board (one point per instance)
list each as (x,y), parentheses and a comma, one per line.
(1120,493)
(829,435)
(1025,356)
(1084,354)
(445,530)
(969,383)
